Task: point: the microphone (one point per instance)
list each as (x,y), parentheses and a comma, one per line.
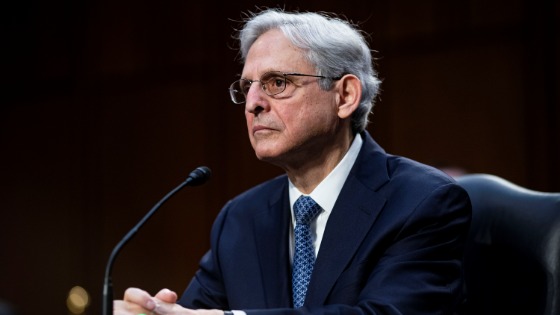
(197,177)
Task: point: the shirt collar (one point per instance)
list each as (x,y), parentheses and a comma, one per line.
(326,193)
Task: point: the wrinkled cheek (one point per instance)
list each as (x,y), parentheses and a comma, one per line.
(248,120)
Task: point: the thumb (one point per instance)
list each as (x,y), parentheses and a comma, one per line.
(167,296)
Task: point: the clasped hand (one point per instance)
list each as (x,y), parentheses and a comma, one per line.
(137,301)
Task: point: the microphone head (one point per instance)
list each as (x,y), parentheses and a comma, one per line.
(199,176)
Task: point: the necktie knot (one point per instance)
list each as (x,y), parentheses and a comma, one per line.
(305,210)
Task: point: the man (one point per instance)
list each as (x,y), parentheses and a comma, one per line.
(386,232)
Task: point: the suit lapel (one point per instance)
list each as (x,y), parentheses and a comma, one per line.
(355,211)
(348,224)
(271,227)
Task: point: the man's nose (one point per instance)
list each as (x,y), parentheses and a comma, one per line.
(256,99)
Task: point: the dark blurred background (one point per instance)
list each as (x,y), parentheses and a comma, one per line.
(108,105)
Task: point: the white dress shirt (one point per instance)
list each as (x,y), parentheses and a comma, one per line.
(325,194)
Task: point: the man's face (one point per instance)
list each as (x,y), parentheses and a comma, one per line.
(286,129)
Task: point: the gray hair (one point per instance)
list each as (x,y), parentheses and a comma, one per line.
(334,46)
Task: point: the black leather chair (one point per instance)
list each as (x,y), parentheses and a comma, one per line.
(512,257)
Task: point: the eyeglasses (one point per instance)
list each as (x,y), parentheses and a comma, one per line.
(272,83)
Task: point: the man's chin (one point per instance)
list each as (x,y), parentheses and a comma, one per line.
(269,157)
(265,157)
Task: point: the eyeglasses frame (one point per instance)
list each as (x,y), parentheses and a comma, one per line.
(285,75)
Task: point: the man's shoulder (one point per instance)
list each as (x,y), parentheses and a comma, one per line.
(412,184)
(411,174)
(386,169)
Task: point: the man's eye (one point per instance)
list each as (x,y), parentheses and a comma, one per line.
(271,78)
(274,83)
(278,82)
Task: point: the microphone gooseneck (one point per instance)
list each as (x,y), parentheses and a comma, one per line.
(197,177)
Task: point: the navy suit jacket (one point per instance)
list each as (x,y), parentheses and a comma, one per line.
(392,245)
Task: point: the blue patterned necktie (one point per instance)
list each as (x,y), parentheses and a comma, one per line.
(305,210)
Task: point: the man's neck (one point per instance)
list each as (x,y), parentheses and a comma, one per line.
(309,174)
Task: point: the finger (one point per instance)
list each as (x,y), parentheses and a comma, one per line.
(164,308)
(167,296)
(209,312)
(125,308)
(140,297)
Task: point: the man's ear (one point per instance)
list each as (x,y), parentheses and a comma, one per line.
(350,94)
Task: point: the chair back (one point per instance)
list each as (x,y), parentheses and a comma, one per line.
(512,257)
